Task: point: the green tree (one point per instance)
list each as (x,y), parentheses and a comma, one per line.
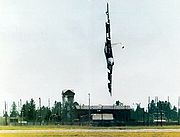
(43,114)
(14,112)
(57,111)
(139,113)
(46,113)
(152,107)
(173,115)
(163,108)
(28,111)
(25,111)
(32,111)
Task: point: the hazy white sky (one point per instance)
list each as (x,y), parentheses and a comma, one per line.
(47,46)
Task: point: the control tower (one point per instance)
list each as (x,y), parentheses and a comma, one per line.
(67,104)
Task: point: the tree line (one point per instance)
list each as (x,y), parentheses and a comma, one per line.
(30,113)
(158,112)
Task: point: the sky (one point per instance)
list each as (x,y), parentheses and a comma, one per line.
(48,46)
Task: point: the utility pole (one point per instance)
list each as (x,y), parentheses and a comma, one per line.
(89,118)
(48,109)
(157,109)
(102,117)
(143,117)
(178,110)
(5,113)
(161,111)
(148,110)
(18,107)
(60,111)
(40,111)
(169,109)
(49,103)
(20,102)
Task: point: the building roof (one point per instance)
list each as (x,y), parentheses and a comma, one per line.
(68,92)
(98,107)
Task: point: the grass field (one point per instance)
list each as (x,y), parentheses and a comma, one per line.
(80,133)
(98,134)
(58,127)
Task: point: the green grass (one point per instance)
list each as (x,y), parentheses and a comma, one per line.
(91,134)
(88,134)
(63,127)
(149,127)
(43,127)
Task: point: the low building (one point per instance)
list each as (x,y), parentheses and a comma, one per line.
(13,120)
(104,115)
(97,114)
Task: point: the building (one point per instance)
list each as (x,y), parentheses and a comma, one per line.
(96,114)
(104,115)
(68,105)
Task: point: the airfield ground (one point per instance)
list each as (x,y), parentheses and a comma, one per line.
(81,131)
